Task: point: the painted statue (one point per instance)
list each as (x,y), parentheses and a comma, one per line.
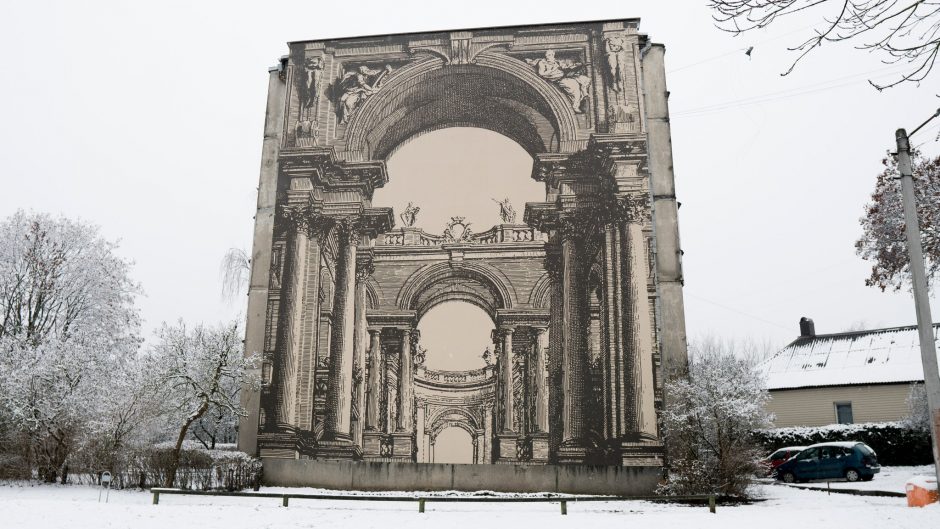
(506,212)
(358,86)
(409,215)
(566,75)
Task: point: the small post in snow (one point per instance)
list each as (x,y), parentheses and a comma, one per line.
(564,507)
(105,482)
(711,503)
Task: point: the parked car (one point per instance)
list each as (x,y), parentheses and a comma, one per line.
(777,458)
(851,460)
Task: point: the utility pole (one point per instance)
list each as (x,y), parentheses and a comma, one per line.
(928,350)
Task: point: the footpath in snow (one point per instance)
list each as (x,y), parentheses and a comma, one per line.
(25,506)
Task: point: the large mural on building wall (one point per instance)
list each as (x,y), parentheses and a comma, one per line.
(584,290)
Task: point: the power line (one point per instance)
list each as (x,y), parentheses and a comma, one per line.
(738,50)
(768,322)
(784,94)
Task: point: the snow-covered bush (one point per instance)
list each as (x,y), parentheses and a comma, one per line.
(896,443)
(707,422)
(919,418)
(196,370)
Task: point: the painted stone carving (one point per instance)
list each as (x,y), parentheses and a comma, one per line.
(457,230)
(358,86)
(615,46)
(506,212)
(566,74)
(410,214)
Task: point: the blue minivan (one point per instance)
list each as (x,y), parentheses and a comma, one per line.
(851,460)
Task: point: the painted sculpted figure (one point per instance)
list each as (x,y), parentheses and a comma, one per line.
(358,86)
(506,212)
(410,214)
(566,75)
(616,60)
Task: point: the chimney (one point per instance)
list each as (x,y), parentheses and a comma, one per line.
(807,327)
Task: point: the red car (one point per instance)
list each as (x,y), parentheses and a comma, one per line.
(780,456)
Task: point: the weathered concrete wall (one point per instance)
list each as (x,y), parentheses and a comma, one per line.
(261,254)
(665,211)
(371,476)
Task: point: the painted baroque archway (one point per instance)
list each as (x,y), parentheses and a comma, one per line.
(585,289)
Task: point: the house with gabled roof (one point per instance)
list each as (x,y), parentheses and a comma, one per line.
(848,377)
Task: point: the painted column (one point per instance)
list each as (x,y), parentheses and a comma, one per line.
(419,435)
(339,396)
(639,332)
(575,321)
(290,320)
(406,384)
(488,434)
(360,343)
(541,387)
(307,369)
(615,380)
(505,378)
(374,394)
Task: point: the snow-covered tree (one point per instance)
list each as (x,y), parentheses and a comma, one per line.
(919,418)
(883,240)
(708,419)
(67,318)
(196,367)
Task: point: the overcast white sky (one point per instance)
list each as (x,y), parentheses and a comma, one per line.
(146,119)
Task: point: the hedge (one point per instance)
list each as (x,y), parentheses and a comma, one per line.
(895,442)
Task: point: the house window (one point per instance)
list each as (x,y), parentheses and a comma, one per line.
(844,412)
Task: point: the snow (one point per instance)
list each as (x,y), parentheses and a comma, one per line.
(889,479)
(871,357)
(924,482)
(784,507)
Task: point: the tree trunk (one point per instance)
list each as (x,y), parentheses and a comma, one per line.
(175,462)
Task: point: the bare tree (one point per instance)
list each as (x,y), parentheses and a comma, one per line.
(906,32)
(883,240)
(235,271)
(196,367)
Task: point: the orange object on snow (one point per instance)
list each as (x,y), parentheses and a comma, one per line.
(921,491)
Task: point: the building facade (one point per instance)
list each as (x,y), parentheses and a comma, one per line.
(585,291)
(844,378)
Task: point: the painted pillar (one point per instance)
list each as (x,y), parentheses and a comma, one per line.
(289,325)
(420,435)
(505,378)
(374,394)
(541,383)
(639,332)
(360,343)
(616,381)
(339,396)
(575,321)
(306,376)
(406,384)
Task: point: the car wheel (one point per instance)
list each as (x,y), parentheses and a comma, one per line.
(852,475)
(788,477)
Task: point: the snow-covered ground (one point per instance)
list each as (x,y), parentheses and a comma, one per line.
(785,507)
(890,479)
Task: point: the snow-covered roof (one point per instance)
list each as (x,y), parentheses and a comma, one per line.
(878,356)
